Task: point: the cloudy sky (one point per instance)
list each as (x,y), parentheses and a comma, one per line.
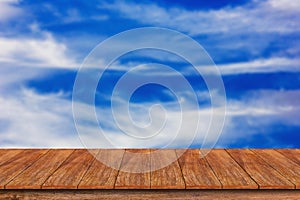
(255,45)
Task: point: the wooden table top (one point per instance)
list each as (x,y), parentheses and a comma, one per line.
(220,169)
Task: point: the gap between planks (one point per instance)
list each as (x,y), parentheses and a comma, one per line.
(221,168)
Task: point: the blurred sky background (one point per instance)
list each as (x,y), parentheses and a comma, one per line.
(254,43)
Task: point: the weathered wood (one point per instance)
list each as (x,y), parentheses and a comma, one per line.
(150,194)
(70,173)
(101,176)
(230,174)
(17,164)
(7,154)
(292,154)
(141,169)
(196,171)
(289,169)
(35,175)
(169,177)
(263,174)
(135,170)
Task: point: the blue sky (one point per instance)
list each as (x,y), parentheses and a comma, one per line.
(255,45)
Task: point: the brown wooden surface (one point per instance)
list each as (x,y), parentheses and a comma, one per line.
(196,171)
(7,154)
(101,176)
(135,170)
(285,167)
(263,174)
(169,177)
(70,173)
(292,154)
(35,175)
(150,194)
(230,174)
(143,169)
(17,164)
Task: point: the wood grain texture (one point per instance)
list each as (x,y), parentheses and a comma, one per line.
(289,169)
(17,164)
(35,175)
(230,174)
(7,154)
(169,177)
(196,171)
(143,169)
(263,174)
(135,170)
(150,194)
(70,173)
(103,175)
(292,154)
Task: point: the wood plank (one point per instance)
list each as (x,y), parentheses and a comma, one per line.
(284,166)
(263,174)
(101,176)
(169,177)
(230,174)
(150,194)
(7,154)
(70,173)
(196,171)
(292,154)
(71,169)
(35,175)
(135,170)
(18,163)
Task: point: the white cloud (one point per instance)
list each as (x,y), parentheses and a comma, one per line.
(34,120)
(257,16)
(29,119)
(285,4)
(255,111)
(258,114)
(269,65)
(264,65)
(282,106)
(73,15)
(34,52)
(9,10)
(28,58)
(12,77)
